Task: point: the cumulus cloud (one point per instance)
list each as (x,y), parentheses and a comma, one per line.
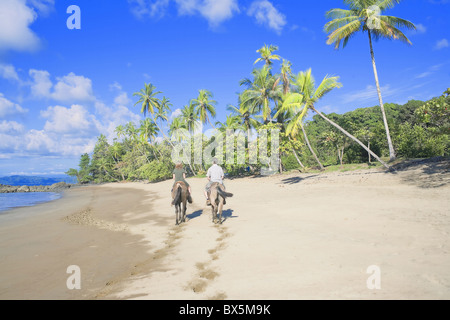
(11,127)
(266,14)
(67,88)
(74,120)
(9,108)
(8,72)
(15,20)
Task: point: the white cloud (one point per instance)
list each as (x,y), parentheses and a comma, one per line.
(441,44)
(7,71)
(11,127)
(75,120)
(42,83)
(214,11)
(176,114)
(68,88)
(266,14)
(122,99)
(73,87)
(9,108)
(15,20)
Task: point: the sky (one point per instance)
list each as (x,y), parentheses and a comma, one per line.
(62,86)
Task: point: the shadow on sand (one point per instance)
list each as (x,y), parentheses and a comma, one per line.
(425,173)
(294,180)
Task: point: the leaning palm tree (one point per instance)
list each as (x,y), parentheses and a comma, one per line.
(365,16)
(267,55)
(296,103)
(305,84)
(205,105)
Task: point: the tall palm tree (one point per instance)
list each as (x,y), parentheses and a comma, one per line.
(286,74)
(153,105)
(298,105)
(189,117)
(365,16)
(205,105)
(260,92)
(267,55)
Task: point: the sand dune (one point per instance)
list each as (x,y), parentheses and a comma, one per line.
(294,236)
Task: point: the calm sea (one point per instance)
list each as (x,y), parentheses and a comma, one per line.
(14,200)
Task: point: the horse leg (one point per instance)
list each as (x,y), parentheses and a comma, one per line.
(220,210)
(184,210)
(177,212)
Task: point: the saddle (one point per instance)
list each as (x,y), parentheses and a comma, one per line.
(182,185)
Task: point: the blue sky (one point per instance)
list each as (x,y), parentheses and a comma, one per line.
(61,88)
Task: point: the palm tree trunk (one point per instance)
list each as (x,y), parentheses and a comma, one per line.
(310,148)
(391,147)
(352,137)
(296,156)
(165,137)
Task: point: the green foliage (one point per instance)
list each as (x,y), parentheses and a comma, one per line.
(414,141)
(156,171)
(290,162)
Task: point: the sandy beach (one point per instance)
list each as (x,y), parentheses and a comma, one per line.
(291,236)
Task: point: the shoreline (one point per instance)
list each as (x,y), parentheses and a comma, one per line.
(291,236)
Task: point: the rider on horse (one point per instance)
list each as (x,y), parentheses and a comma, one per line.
(179,174)
(215,174)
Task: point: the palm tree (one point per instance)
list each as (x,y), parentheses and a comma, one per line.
(267,55)
(120,131)
(189,117)
(366,16)
(151,104)
(286,74)
(232,122)
(205,105)
(305,85)
(247,122)
(261,92)
(298,105)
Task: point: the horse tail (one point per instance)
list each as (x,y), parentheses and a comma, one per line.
(177,198)
(223,193)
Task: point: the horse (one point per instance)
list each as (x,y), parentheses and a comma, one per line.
(179,196)
(217,197)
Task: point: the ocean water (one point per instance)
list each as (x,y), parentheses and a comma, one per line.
(25,199)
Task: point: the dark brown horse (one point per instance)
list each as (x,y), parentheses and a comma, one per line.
(179,196)
(218,196)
